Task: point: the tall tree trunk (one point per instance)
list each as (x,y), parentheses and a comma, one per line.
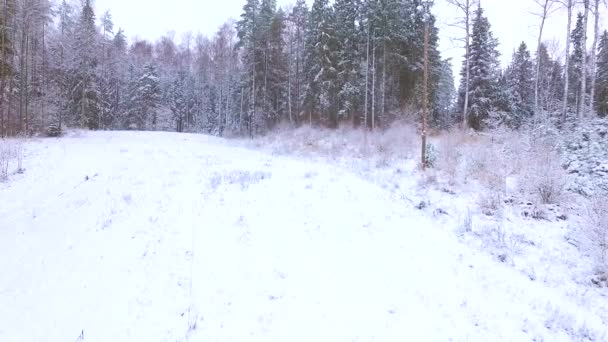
(367,78)
(383,105)
(374,84)
(567,62)
(543,18)
(44,67)
(289,80)
(583,100)
(425,99)
(465,111)
(596,32)
(3,33)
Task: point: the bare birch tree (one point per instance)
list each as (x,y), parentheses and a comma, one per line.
(546,8)
(583,98)
(569,4)
(466,9)
(596,32)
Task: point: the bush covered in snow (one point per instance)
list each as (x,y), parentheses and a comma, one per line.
(585,154)
(11,156)
(597,228)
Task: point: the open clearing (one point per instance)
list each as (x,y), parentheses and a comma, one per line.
(128,236)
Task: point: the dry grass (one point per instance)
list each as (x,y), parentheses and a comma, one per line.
(398,142)
(12,152)
(597,228)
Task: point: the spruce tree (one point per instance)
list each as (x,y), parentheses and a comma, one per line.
(247,33)
(86,92)
(147,98)
(601,91)
(483,90)
(6,68)
(299,19)
(349,57)
(576,65)
(520,82)
(321,96)
(444,96)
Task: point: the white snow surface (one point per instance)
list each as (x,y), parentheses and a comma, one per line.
(123,236)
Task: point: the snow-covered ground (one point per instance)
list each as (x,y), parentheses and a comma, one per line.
(128,236)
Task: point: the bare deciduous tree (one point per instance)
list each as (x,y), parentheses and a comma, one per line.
(596,32)
(466,9)
(583,99)
(546,9)
(569,4)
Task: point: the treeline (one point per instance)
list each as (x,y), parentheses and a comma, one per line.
(354,62)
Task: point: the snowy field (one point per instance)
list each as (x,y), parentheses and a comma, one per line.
(128,236)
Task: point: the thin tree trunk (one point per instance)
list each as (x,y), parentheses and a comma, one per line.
(298,76)
(383,105)
(596,32)
(374,84)
(44,85)
(465,111)
(425,100)
(567,63)
(538,61)
(367,78)
(289,80)
(241,112)
(3,33)
(583,100)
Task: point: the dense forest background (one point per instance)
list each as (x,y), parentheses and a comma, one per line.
(347,62)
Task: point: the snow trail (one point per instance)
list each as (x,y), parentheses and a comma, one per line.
(187,238)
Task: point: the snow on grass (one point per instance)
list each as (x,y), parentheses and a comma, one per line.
(129,236)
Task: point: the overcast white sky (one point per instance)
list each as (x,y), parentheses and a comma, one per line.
(511,20)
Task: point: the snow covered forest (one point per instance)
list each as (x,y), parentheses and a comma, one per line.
(358,62)
(311,172)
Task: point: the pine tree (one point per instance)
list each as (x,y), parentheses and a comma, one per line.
(146,99)
(6,67)
(247,33)
(299,20)
(601,87)
(575,70)
(277,69)
(181,100)
(483,72)
(520,80)
(85,91)
(444,96)
(321,95)
(349,57)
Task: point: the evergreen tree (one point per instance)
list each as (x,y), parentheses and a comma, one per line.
(181,100)
(577,64)
(6,67)
(321,96)
(520,83)
(299,20)
(277,69)
(550,83)
(348,57)
(601,98)
(483,90)
(247,33)
(146,99)
(85,92)
(444,96)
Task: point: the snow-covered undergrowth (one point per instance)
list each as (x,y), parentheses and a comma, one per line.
(505,193)
(585,152)
(125,236)
(11,157)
